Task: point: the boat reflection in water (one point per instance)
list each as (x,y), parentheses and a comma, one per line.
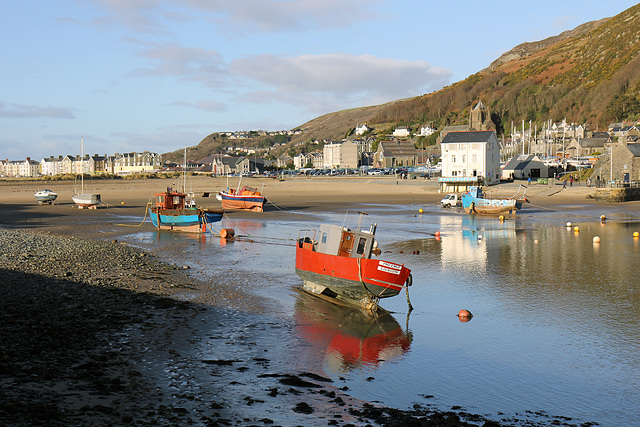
(346,338)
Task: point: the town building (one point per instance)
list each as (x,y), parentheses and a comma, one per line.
(469,158)
(396,153)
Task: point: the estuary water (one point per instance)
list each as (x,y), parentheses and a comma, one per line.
(555,332)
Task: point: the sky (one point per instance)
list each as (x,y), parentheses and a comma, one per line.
(159,75)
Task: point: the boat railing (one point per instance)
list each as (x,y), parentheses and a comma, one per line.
(307,235)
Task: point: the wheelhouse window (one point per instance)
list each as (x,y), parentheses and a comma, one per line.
(362,242)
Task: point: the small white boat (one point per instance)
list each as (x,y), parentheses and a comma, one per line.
(87,200)
(45,196)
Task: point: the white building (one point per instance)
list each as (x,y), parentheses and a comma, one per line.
(469,158)
(426,130)
(401,131)
(362,129)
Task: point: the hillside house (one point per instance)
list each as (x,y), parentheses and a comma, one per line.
(401,132)
(362,129)
(469,158)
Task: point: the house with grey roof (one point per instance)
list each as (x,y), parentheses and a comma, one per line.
(469,158)
(397,153)
(525,166)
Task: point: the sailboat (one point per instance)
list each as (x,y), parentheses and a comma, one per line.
(82,199)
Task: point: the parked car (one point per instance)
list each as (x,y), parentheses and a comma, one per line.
(451,200)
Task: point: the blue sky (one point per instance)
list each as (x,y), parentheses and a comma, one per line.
(135,75)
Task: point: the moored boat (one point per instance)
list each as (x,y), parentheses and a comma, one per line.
(474,202)
(86,200)
(245,198)
(171,213)
(335,263)
(45,196)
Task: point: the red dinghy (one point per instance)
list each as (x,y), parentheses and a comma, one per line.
(335,262)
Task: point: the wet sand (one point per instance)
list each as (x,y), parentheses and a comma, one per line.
(109,339)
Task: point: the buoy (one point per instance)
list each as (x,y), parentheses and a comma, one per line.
(569,224)
(535,241)
(596,239)
(636,234)
(465,314)
(576,228)
(420,210)
(479,236)
(122,203)
(501,217)
(603,218)
(227,233)
(437,234)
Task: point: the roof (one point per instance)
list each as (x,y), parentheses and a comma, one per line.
(469,136)
(398,149)
(635,149)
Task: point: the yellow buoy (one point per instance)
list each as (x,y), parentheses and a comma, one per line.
(576,228)
(596,239)
(501,217)
(636,234)
(420,210)
(603,218)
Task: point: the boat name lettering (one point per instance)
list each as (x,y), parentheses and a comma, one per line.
(390,265)
(388,270)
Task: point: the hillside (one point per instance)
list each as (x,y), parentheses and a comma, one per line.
(587,75)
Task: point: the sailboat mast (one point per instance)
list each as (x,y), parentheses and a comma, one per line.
(82,164)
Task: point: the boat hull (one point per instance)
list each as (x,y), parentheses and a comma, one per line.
(473,205)
(45,196)
(357,280)
(87,200)
(186,220)
(247,202)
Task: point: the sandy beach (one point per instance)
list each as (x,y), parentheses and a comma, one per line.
(90,324)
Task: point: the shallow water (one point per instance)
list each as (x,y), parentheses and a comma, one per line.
(556,325)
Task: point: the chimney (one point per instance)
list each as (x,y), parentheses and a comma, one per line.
(28,159)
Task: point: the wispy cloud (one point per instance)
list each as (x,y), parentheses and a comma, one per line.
(338,78)
(239,16)
(20,111)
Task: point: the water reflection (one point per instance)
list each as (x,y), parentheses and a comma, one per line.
(345,339)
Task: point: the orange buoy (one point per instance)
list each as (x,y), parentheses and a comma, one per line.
(603,218)
(465,314)
(437,234)
(227,233)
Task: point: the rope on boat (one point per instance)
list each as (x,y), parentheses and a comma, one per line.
(406,288)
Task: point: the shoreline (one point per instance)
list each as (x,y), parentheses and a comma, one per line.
(96,331)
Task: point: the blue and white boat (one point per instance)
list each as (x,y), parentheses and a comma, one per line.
(474,202)
(171,213)
(45,196)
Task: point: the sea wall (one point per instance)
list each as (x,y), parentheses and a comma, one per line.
(613,195)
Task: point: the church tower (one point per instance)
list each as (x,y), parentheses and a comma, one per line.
(480,118)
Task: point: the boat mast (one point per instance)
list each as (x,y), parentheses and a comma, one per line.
(82,165)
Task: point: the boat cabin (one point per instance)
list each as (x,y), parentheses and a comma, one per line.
(170,199)
(475,192)
(341,241)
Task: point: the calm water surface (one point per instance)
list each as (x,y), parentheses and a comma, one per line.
(556,326)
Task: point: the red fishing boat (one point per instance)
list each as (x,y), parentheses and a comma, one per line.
(244,198)
(335,263)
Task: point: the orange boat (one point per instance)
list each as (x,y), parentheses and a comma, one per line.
(335,263)
(245,198)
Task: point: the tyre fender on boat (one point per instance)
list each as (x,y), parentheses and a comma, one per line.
(409,281)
